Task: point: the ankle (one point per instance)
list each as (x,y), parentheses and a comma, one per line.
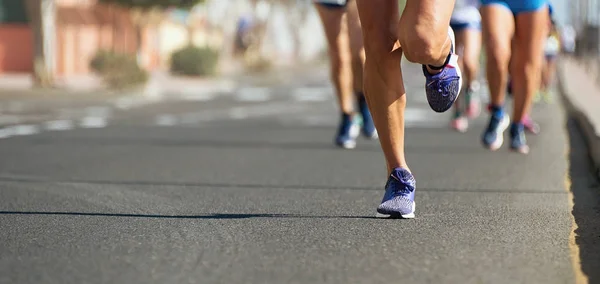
(436,69)
(496,110)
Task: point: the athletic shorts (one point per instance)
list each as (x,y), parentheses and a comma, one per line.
(465,15)
(332,3)
(518,6)
(550,57)
(461,26)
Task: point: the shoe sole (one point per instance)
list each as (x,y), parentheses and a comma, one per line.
(373,136)
(500,134)
(454,60)
(351,144)
(348,145)
(396,215)
(521,150)
(460,129)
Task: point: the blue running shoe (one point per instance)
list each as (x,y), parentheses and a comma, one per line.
(442,89)
(518,142)
(493,136)
(399,198)
(368,127)
(347,132)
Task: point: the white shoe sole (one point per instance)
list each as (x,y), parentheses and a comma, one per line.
(403,216)
(374,136)
(354,132)
(500,133)
(454,60)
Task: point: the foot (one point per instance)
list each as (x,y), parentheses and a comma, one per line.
(368,127)
(493,136)
(399,198)
(443,88)
(347,132)
(531,126)
(473,105)
(460,124)
(518,142)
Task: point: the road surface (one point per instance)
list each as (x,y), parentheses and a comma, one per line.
(246,187)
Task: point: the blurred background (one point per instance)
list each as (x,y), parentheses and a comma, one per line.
(69,42)
(90,44)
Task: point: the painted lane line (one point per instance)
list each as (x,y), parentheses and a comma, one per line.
(93,122)
(59,125)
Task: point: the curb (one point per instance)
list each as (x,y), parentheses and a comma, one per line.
(587,127)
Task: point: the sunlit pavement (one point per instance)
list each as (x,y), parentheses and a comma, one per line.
(246,187)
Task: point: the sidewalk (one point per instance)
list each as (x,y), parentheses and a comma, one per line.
(581,90)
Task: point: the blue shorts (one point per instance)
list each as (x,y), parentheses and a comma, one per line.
(518,6)
(333,4)
(551,57)
(460,26)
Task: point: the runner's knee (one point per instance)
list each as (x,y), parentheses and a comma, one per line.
(498,59)
(378,45)
(421,44)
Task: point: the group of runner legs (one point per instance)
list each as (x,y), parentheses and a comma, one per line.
(366,71)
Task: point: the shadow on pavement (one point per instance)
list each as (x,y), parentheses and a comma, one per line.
(364,146)
(204,216)
(586,209)
(267,186)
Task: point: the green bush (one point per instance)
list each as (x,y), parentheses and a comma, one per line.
(194,61)
(118,70)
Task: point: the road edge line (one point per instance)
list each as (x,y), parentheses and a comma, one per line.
(584,123)
(571,111)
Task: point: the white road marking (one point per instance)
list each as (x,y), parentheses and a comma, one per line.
(254,94)
(59,125)
(197,96)
(6,132)
(25,129)
(93,122)
(312,94)
(166,120)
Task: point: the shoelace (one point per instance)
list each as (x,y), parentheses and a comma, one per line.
(400,188)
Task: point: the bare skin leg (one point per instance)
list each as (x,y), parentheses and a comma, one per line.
(498,49)
(423,34)
(529,41)
(548,71)
(339,54)
(468,46)
(472,48)
(460,50)
(383,85)
(357,49)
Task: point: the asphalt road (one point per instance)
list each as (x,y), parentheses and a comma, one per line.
(246,187)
